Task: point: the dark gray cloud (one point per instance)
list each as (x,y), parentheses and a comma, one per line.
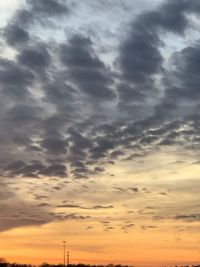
(188,218)
(34,169)
(15,35)
(140,59)
(86,69)
(139,55)
(54,145)
(170,16)
(186,78)
(18,30)
(101,148)
(15,79)
(182,91)
(23,114)
(49,8)
(58,170)
(7,224)
(23,18)
(36,58)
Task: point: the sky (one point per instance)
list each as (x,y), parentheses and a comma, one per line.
(99,131)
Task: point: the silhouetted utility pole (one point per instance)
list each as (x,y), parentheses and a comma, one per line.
(67,258)
(64,242)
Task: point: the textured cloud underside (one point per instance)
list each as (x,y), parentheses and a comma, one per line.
(76,98)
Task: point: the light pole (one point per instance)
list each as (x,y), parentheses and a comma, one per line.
(67,258)
(64,242)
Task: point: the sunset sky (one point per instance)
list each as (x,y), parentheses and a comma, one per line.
(100,131)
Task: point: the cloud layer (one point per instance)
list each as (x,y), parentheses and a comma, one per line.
(75,101)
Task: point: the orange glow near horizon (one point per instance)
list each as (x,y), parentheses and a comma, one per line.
(32,245)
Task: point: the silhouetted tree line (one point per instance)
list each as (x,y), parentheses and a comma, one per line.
(5,263)
(82,265)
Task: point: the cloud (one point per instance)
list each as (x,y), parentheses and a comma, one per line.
(50,8)
(36,58)
(185,74)
(7,224)
(58,116)
(23,114)
(139,54)
(14,35)
(58,170)
(76,217)
(188,218)
(35,169)
(141,61)
(54,146)
(16,213)
(74,206)
(86,69)
(14,79)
